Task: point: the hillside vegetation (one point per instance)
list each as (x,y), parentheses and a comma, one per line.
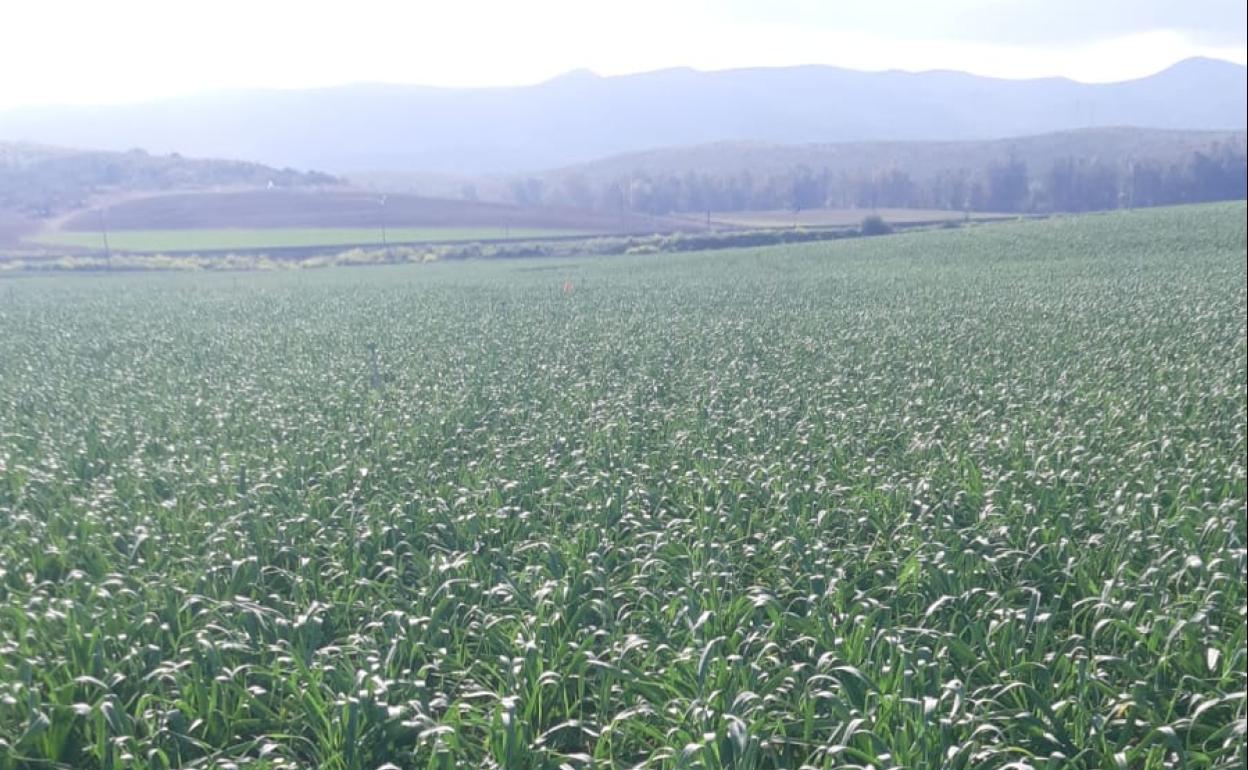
(38,181)
(1091,169)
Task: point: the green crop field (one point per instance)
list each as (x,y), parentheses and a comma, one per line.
(279,237)
(958,499)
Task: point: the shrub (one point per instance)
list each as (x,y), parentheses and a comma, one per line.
(875,225)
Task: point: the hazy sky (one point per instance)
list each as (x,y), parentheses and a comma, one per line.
(66,51)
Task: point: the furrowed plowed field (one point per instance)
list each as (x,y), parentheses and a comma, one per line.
(331,209)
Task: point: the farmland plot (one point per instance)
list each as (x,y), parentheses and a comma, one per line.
(963,499)
(174,241)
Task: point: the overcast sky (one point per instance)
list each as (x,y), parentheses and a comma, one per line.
(73,51)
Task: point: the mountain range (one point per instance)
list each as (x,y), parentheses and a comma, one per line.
(580,116)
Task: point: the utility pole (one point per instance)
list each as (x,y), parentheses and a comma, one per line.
(108,254)
(382,201)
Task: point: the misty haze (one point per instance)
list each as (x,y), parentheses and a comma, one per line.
(559,385)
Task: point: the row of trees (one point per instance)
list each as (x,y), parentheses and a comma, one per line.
(1002,185)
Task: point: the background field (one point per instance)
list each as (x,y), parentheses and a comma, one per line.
(229,238)
(842,217)
(257,219)
(960,499)
(338,208)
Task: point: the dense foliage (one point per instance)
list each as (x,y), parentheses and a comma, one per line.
(965,499)
(41,181)
(1000,180)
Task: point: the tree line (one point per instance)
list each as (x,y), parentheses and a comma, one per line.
(1008,184)
(40,182)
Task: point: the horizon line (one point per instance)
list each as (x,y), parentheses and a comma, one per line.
(587,73)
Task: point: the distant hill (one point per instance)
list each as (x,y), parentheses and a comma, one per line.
(1079,170)
(918,159)
(581,116)
(38,181)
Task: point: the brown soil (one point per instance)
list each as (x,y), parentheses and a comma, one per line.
(14,227)
(342,208)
